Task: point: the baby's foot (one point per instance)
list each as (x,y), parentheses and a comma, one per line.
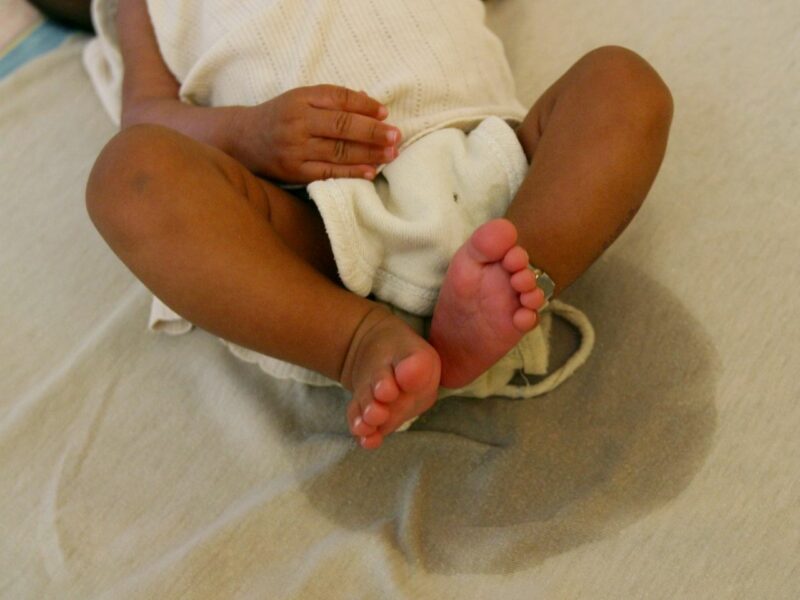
(488,301)
(393,374)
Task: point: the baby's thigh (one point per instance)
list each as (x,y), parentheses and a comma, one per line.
(297,221)
(146,164)
(149,177)
(150,182)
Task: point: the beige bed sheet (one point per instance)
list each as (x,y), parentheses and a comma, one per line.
(140,466)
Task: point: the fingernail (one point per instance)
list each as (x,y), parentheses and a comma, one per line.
(363,440)
(391,136)
(383,112)
(369,175)
(389,153)
(358,422)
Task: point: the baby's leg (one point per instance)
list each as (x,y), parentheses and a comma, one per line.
(245,260)
(596,139)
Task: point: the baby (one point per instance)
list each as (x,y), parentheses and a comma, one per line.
(224,101)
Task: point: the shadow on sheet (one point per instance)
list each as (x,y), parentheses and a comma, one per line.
(498,485)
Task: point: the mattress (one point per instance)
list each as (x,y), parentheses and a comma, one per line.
(134,465)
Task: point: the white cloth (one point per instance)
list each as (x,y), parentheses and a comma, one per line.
(433,63)
(395,238)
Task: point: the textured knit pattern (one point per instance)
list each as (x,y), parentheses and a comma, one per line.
(395,238)
(433,63)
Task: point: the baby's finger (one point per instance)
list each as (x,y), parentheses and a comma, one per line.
(312,170)
(352,127)
(335,97)
(349,153)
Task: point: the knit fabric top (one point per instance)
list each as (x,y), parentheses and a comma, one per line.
(433,63)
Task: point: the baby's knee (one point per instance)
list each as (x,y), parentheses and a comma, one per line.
(122,194)
(636,89)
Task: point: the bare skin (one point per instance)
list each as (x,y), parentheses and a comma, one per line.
(599,135)
(489,297)
(181,213)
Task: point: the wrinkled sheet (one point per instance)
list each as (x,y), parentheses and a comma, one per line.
(134,465)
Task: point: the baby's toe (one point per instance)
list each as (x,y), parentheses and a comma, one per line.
(370,442)
(386,390)
(533,299)
(491,241)
(515,259)
(362,428)
(376,414)
(419,372)
(524,319)
(403,410)
(523,281)
(364,396)
(355,421)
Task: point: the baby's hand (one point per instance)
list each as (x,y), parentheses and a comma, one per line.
(316,132)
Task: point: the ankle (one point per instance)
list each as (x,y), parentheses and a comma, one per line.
(372,318)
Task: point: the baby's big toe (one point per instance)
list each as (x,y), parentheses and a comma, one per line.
(491,241)
(419,372)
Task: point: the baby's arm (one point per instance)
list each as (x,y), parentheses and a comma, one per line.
(150,92)
(305,134)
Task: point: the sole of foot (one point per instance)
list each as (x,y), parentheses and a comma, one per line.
(394,375)
(488,301)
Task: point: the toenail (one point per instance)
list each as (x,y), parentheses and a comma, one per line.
(375,411)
